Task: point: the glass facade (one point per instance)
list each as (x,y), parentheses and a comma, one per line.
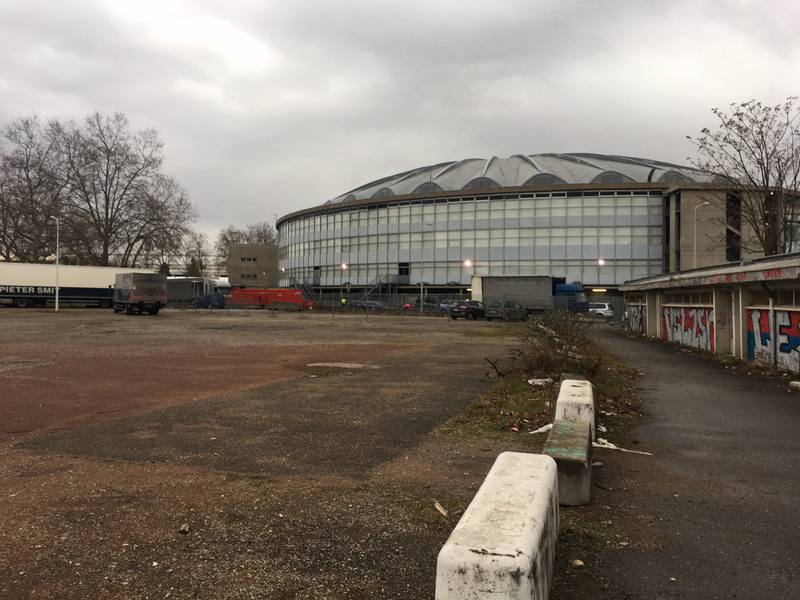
(563,233)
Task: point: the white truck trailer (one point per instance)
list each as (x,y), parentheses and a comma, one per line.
(537,293)
(29,285)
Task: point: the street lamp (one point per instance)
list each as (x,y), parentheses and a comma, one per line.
(694,262)
(58,257)
(342,299)
(421,278)
(469,264)
(345,285)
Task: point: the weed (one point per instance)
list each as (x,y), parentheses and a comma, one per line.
(557,342)
(552,344)
(510,407)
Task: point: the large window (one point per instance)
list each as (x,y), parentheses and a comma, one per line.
(514,234)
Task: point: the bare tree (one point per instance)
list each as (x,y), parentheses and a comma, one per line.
(754,153)
(260,233)
(31,189)
(158,229)
(102,181)
(196,253)
(119,201)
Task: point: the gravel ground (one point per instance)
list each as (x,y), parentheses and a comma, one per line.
(198,455)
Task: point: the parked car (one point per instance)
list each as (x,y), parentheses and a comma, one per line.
(213,300)
(508,311)
(427,307)
(601,309)
(372,305)
(468,309)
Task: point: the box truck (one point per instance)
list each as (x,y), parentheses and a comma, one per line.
(140,292)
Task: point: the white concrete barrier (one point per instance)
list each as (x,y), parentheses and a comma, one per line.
(576,403)
(505,543)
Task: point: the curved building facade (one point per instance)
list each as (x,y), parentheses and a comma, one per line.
(590,218)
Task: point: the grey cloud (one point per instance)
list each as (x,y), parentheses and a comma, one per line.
(325,96)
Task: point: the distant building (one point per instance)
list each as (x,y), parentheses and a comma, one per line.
(601,220)
(253,266)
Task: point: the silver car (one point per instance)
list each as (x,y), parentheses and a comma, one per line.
(601,309)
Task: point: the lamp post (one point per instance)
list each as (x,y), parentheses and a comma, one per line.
(421,279)
(58,257)
(694,262)
(345,266)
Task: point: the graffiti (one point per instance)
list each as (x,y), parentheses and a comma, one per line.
(693,327)
(761,347)
(636,318)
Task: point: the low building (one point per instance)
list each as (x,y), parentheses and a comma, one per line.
(750,309)
(253,266)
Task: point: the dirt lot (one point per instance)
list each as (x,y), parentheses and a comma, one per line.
(198,455)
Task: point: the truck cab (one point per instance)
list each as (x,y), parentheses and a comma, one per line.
(571,296)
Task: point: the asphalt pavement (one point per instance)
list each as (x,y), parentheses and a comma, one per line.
(721,490)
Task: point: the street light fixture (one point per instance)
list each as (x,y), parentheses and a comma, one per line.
(58,256)
(470,264)
(694,261)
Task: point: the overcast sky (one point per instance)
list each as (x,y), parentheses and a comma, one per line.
(269,107)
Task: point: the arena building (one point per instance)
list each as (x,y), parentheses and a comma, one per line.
(601,220)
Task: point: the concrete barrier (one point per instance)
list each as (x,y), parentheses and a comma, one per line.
(576,403)
(504,545)
(570,445)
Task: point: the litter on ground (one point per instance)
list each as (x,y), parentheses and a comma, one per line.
(601,443)
(543,429)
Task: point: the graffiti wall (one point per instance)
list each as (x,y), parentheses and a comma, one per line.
(693,327)
(636,316)
(784,350)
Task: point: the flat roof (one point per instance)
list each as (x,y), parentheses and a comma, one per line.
(784,267)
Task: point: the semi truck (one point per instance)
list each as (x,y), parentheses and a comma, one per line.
(140,292)
(28,285)
(537,293)
(280,299)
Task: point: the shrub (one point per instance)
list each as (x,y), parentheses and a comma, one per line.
(557,342)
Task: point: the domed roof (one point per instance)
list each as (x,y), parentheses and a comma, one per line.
(524,170)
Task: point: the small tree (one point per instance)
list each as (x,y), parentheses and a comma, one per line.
(755,155)
(196,253)
(555,342)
